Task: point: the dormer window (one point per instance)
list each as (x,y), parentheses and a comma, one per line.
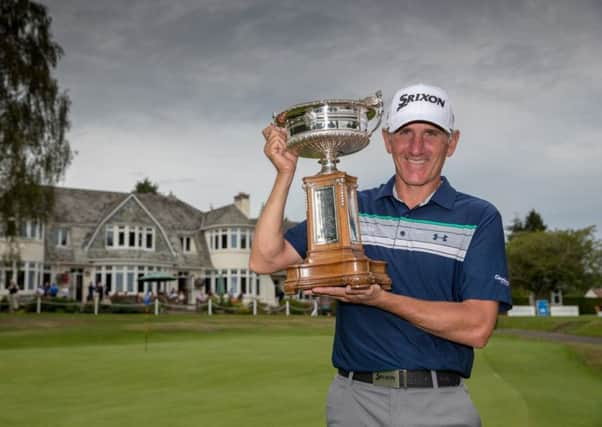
(186,244)
(130,237)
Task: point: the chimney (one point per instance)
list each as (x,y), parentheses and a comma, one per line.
(241,201)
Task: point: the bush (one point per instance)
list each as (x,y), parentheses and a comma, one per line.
(586,305)
(300,306)
(70,305)
(4,304)
(520,300)
(124,304)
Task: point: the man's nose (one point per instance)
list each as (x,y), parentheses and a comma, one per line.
(416,145)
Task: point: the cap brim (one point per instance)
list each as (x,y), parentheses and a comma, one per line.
(394,127)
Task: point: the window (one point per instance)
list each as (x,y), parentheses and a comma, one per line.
(234,282)
(224,234)
(243,281)
(130,279)
(186,244)
(62,237)
(109,236)
(119,280)
(243,239)
(23,230)
(129,237)
(234,238)
(121,236)
(31,275)
(149,238)
(229,238)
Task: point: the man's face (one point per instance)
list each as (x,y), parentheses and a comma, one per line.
(419,151)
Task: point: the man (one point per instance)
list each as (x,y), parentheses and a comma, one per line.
(401,356)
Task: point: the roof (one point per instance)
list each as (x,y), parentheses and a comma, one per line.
(226,215)
(597,292)
(91,206)
(78,206)
(171,212)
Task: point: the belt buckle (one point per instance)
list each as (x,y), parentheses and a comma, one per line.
(391,379)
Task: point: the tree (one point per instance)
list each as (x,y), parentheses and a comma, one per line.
(533,222)
(146,186)
(34,151)
(542,261)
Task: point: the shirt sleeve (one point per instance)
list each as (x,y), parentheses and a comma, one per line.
(297,237)
(485,270)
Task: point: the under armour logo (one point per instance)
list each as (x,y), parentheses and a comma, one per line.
(437,236)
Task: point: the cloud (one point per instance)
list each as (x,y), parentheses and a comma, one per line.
(180,90)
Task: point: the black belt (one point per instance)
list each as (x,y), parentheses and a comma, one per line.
(406,379)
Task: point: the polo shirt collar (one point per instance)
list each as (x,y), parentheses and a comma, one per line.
(444,196)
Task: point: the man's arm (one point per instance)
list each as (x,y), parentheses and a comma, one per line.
(270,251)
(470,322)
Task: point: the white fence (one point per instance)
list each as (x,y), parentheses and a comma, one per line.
(157,307)
(522,311)
(564,310)
(555,310)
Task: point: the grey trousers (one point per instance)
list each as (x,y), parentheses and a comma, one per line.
(357,404)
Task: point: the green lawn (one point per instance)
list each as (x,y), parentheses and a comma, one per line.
(588,325)
(81,370)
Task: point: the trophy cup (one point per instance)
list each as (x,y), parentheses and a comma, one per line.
(327,130)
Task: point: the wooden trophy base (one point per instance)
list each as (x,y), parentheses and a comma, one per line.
(335,255)
(358,272)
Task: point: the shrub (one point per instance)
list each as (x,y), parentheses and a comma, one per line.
(586,305)
(56,306)
(3,304)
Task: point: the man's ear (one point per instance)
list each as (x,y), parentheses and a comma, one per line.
(387,140)
(453,143)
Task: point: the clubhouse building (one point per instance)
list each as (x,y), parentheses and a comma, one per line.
(113,239)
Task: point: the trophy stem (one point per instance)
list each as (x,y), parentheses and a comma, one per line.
(329,163)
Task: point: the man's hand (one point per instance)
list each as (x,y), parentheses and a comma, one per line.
(283,160)
(371,295)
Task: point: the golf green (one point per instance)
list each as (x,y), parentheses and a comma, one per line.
(81,370)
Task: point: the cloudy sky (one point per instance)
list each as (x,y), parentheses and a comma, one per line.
(179,90)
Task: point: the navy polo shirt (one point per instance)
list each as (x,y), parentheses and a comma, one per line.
(449,249)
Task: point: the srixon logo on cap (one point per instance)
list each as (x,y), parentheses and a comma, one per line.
(405,99)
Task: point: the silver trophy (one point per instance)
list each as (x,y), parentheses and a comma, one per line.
(331,128)
(327,130)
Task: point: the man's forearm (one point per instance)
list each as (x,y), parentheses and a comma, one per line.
(268,241)
(470,322)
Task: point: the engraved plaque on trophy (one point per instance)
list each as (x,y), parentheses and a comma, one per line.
(327,130)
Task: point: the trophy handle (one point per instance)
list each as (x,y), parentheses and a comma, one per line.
(375,101)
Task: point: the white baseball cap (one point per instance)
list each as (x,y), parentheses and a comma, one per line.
(420,103)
